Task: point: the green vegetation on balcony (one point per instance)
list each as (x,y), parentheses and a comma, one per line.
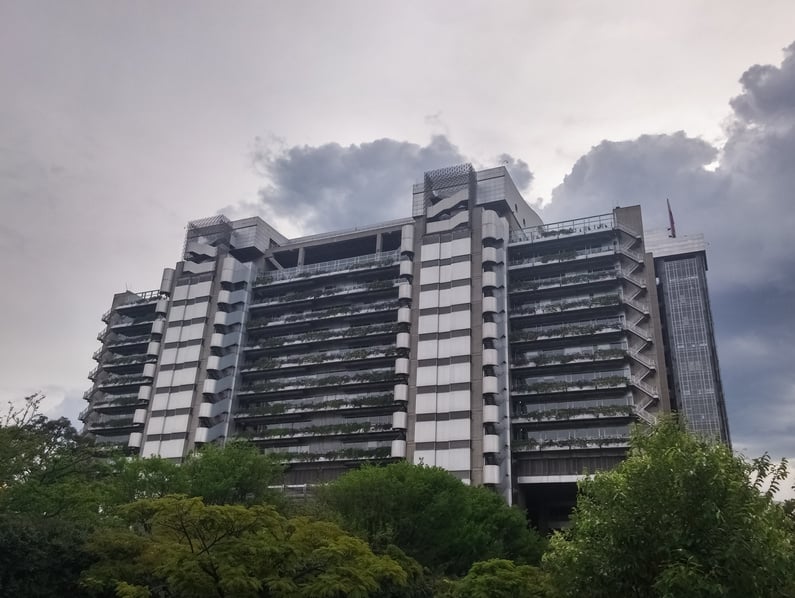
(572,412)
(334,380)
(564,385)
(122,380)
(559,306)
(270,363)
(530,444)
(546,358)
(570,279)
(280,408)
(321,335)
(119,422)
(563,331)
(126,340)
(324,430)
(342,310)
(339,455)
(324,292)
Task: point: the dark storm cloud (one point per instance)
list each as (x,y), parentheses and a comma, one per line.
(520,171)
(741,197)
(333,186)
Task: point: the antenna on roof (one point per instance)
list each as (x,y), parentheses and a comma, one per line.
(672,225)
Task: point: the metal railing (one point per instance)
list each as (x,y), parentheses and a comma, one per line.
(565,228)
(352,263)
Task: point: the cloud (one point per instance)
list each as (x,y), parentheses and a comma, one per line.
(519,170)
(328,187)
(740,196)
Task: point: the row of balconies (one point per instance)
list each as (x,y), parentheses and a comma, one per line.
(314,316)
(324,431)
(533,444)
(317,336)
(569,228)
(562,256)
(573,413)
(551,307)
(375,260)
(570,384)
(344,454)
(283,408)
(557,331)
(325,292)
(374,377)
(548,358)
(314,359)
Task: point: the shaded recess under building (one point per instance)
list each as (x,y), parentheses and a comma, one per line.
(469,336)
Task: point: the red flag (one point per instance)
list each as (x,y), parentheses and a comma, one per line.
(671,228)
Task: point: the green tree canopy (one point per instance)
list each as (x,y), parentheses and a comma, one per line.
(679,517)
(499,578)
(180,547)
(432,516)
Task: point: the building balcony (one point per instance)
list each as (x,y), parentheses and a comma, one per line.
(490,331)
(315,359)
(491,414)
(573,413)
(491,474)
(330,381)
(112,425)
(322,336)
(355,429)
(127,341)
(555,307)
(376,260)
(490,255)
(323,293)
(567,384)
(549,359)
(121,381)
(491,443)
(564,280)
(535,445)
(490,305)
(604,223)
(333,403)
(346,454)
(398,449)
(344,311)
(562,257)
(578,330)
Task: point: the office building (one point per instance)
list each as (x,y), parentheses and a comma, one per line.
(468,336)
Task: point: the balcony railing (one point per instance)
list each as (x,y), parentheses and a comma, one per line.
(570,413)
(335,312)
(319,381)
(325,292)
(320,358)
(570,383)
(129,340)
(122,381)
(386,258)
(533,444)
(565,256)
(322,335)
(349,454)
(313,431)
(560,306)
(545,358)
(327,404)
(569,330)
(566,228)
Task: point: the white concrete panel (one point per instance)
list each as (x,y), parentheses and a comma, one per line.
(442,459)
(425,458)
(184,376)
(428,323)
(175,423)
(197,310)
(155,425)
(461,270)
(459,459)
(446,250)
(460,320)
(426,403)
(164,378)
(180,292)
(444,348)
(454,429)
(460,400)
(460,295)
(172,449)
(429,275)
(425,431)
(177,312)
(444,297)
(426,349)
(201,289)
(429,252)
(461,246)
(426,375)
(429,299)
(159,403)
(168,356)
(444,323)
(172,334)
(192,332)
(443,375)
(188,354)
(459,372)
(181,400)
(443,402)
(445,273)
(460,345)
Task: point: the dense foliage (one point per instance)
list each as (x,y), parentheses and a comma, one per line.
(679,518)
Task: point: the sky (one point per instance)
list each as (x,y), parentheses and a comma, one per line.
(122,121)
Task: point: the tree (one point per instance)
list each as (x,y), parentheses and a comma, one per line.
(181,547)
(679,517)
(430,515)
(498,578)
